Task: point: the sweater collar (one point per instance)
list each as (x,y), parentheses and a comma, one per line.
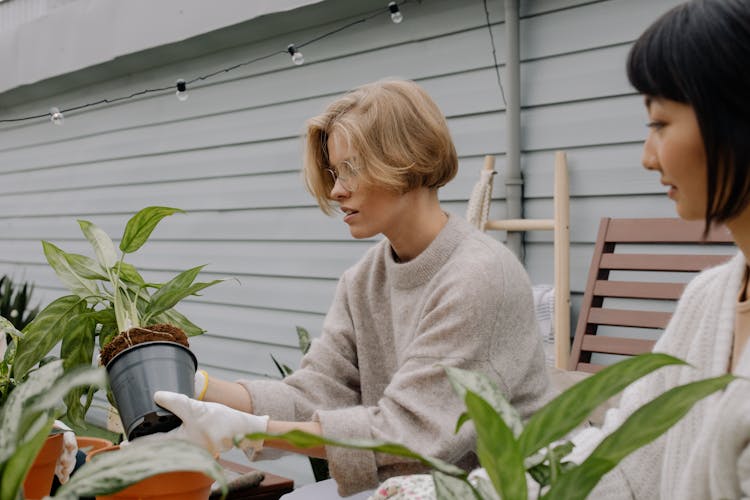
(424,266)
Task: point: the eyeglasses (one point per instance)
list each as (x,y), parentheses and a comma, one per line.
(346,174)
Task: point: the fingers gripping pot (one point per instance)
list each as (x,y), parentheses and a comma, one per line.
(139,371)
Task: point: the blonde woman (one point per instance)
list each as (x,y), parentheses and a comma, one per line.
(433,292)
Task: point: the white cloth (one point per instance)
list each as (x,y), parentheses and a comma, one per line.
(706,454)
(544,310)
(66,462)
(478,209)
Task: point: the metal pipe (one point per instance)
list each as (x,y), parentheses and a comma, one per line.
(513,178)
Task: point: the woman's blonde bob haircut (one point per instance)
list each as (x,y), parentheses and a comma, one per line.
(400,137)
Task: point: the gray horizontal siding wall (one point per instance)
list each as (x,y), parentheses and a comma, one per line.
(230,155)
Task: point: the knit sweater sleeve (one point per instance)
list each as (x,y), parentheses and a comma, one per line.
(328,375)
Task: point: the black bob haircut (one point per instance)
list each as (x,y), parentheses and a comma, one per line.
(698,53)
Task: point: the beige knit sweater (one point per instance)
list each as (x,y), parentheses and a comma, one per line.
(375,372)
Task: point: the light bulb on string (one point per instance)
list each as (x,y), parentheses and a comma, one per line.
(297,57)
(396,15)
(56,116)
(181,93)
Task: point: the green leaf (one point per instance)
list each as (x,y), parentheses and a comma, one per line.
(141,225)
(484,487)
(565,412)
(175,318)
(103,316)
(478,383)
(304,339)
(106,334)
(86,267)
(302,439)
(450,488)
(102,243)
(14,470)
(113,471)
(7,328)
(77,350)
(129,274)
(283,369)
(645,424)
(47,329)
(497,448)
(78,377)
(125,321)
(59,263)
(12,413)
(175,290)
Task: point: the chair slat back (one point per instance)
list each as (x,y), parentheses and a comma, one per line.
(639,269)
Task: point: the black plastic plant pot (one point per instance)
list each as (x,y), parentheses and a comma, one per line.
(139,371)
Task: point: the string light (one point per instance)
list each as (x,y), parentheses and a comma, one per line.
(297,57)
(181,92)
(56,115)
(396,15)
(494,53)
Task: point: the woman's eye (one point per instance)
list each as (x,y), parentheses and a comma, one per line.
(655,125)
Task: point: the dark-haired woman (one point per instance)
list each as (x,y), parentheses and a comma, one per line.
(692,67)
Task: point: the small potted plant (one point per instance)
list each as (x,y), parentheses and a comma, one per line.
(134,321)
(26,417)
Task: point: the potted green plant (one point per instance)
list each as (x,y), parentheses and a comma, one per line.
(508,448)
(112,303)
(26,417)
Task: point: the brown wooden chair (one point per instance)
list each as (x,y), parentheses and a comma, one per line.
(638,271)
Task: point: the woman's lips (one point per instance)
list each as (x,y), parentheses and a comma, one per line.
(349,215)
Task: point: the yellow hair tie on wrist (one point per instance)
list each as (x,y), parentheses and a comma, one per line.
(205,385)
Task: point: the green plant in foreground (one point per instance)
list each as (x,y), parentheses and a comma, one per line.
(108,296)
(26,418)
(7,382)
(15,302)
(508,449)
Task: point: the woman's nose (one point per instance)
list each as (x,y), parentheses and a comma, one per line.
(338,192)
(648,157)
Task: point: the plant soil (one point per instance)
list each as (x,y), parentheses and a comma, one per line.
(123,340)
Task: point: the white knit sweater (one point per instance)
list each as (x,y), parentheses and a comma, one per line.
(706,454)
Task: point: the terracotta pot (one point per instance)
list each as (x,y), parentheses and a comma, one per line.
(178,485)
(91,444)
(38,480)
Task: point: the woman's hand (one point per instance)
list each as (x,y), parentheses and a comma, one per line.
(211,425)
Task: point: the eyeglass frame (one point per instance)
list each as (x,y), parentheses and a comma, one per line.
(347,180)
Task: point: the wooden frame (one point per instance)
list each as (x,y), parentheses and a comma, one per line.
(560,224)
(644,233)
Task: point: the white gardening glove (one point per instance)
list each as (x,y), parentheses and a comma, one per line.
(67,459)
(212,425)
(200,384)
